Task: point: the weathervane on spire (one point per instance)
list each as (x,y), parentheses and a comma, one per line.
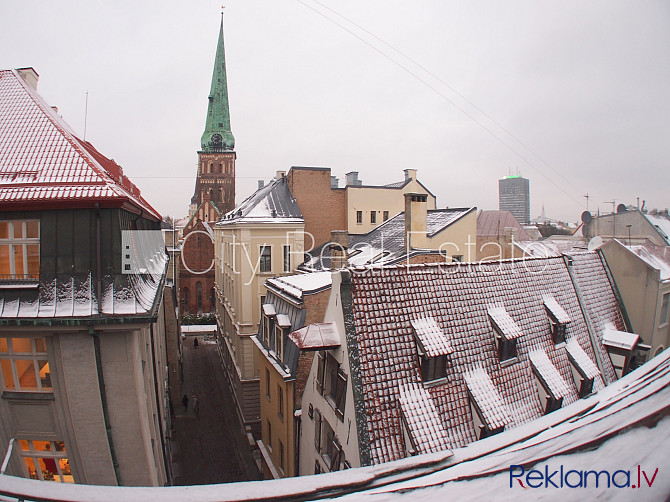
(222,7)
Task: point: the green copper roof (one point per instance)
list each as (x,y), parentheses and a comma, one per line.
(217,136)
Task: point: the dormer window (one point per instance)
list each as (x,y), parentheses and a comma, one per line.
(19,251)
(558,318)
(620,346)
(490,414)
(433,347)
(282,329)
(506,333)
(584,370)
(551,385)
(269,314)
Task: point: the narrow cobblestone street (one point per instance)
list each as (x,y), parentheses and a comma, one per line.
(211,445)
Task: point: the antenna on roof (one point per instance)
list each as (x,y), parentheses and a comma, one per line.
(85,115)
(587,196)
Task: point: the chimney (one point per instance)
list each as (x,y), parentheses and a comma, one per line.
(352,179)
(261,184)
(334,182)
(416,221)
(30,76)
(410,174)
(280,174)
(339,241)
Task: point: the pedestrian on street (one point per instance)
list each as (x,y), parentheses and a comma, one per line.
(184,401)
(195,342)
(196,406)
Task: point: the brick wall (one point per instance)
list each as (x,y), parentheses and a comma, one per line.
(324,209)
(197,254)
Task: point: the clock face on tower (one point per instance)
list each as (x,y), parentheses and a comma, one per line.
(216,139)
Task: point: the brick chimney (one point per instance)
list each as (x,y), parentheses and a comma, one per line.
(339,241)
(416,221)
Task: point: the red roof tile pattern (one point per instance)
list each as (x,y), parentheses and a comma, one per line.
(431,337)
(41,159)
(601,303)
(422,420)
(458,296)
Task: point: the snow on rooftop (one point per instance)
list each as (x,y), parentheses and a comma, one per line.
(316,336)
(487,398)
(657,257)
(422,419)
(620,339)
(555,309)
(283,321)
(583,362)
(299,284)
(661,223)
(548,373)
(503,322)
(269,309)
(431,337)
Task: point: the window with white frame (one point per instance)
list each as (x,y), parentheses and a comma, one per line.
(19,249)
(331,382)
(664,309)
(287,258)
(265,260)
(24,363)
(46,460)
(359,217)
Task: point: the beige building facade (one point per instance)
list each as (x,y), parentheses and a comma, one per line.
(252,243)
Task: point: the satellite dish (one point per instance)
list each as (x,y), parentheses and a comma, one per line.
(586,217)
(621,208)
(595,243)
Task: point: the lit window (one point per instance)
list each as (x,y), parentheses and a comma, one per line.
(24,363)
(46,460)
(19,249)
(266,259)
(359,217)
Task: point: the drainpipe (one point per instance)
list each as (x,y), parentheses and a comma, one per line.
(103,401)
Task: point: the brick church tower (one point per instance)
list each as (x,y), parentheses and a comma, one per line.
(215,182)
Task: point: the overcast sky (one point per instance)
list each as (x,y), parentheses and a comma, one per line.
(575,95)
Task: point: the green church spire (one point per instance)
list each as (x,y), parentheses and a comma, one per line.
(217,136)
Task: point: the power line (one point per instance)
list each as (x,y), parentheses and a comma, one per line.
(446,98)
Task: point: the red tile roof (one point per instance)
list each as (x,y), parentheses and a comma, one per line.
(457,297)
(42,160)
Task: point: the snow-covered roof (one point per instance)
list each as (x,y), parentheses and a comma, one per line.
(386,242)
(661,223)
(386,300)
(487,398)
(283,321)
(620,339)
(547,372)
(432,339)
(199,328)
(317,336)
(271,204)
(581,360)
(422,420)
(555,309)
(43,162)
(503,322)
(297,285)
(551,247)
(269,309)
(657,257)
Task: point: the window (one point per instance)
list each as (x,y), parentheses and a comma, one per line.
(457,257)
(19,250)
(506,332)
(267,383)
(24,363)
(269,445)
(317,430)
(46,460)
(331,451)
(331,382)
(280,402)
(433,368)
(386,215)
(664,308)
(373,216)
(317,467)
(287,258)
(281,455)
(265,262)
(280,334)
(359,217)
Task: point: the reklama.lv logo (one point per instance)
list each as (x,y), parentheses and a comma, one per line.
(563,478)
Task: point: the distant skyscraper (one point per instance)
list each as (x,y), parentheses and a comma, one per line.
(514,196)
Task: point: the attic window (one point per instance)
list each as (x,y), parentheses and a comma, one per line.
(422,428)
(282,329)
(269,313)
(620,346)
(489,412)
(558,319)
(551,385)
(506,333)
(432,347)
(584,371)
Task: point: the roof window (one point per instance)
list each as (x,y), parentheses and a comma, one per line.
(552,387)
(490,413)
(433,347)
(558,318)
(506,333)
